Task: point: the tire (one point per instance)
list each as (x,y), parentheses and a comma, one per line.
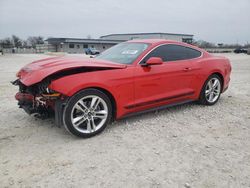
(210,95)
(87,113)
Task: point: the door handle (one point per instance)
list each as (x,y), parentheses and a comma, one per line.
(187,69)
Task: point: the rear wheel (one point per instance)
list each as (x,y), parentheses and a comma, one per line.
(87,113)
(211,90)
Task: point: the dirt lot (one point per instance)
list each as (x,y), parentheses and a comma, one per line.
(184,146)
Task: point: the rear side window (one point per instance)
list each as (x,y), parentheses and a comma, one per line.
(172,52)
(192,53)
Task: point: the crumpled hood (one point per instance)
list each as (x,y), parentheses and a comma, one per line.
(38,70)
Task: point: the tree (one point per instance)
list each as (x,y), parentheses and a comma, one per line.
(247,45)
(6,43)
(24,44)
(33,41)
(204,44)
(16,41)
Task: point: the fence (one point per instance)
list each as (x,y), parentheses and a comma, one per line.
(19,50)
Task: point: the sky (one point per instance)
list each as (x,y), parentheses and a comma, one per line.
(218,21)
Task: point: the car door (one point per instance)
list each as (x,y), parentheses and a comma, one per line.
(168,81)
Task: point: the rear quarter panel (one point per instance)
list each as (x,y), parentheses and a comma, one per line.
(209,65)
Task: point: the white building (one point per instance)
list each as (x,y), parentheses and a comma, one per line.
(169,36)
(76,45)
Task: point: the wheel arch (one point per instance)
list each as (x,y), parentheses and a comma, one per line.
(221,77)
(69,88)
(110,96)
(206,78)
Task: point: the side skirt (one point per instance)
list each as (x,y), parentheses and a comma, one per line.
(159,100)
(156,108)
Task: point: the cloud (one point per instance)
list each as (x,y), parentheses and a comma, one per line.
(224,21)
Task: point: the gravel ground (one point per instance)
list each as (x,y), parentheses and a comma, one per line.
(184,146)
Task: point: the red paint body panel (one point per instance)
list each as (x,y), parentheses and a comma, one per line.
(133,87)
(38,70)
(118,82)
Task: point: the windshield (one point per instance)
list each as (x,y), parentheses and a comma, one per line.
(124,53)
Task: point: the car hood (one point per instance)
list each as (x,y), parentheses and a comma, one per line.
(38,70)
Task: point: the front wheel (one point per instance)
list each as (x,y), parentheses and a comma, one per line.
(87,113)
(211,90)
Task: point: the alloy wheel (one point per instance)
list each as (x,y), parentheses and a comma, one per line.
(213,89)
(89,114)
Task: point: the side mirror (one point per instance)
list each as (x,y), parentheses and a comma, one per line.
(154,61)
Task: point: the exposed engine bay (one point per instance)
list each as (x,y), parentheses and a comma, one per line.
(37,99)
(38,83)
(43,102)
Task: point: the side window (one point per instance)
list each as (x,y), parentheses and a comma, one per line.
(192,53)
(172,52)
(158,52)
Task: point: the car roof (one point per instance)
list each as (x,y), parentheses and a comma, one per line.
(156,42)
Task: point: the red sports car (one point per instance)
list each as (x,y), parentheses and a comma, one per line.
(135,76)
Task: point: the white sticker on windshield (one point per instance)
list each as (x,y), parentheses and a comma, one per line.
(130,52)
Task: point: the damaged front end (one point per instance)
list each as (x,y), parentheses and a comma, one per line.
(40,101)
(37,79)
